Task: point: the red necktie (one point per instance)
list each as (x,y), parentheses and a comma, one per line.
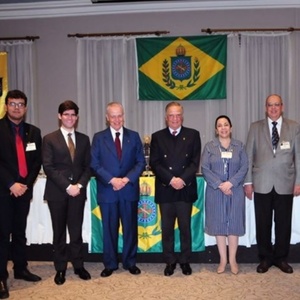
(21,154)
(174,132)
(118,145)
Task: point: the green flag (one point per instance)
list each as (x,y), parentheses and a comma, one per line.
(149,220)
(182,68)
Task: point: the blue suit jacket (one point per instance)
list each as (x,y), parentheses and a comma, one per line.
(106,165)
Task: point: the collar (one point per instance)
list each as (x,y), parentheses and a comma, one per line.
(279,121)
(65,132)
(177,130)
(113,131)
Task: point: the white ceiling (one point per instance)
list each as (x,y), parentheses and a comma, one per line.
(22,9)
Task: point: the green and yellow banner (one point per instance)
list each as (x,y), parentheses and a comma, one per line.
(182,68)
(3,82)
(149,227)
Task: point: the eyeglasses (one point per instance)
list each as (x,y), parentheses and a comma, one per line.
(274,104)
(15,104)
(69,115)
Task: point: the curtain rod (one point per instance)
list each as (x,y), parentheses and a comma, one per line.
(28,38)
(209,30)
(82,35)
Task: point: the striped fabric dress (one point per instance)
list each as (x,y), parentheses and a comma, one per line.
(224,215)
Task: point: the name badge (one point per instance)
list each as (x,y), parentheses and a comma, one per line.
(285,145)
(226,154)
(30,147)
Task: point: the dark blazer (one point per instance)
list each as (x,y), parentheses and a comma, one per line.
(9,171)
(106,165)
(177,156)
(59,168)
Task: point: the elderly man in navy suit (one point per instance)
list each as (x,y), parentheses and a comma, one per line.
(174,159)
(117,162)
(273,148)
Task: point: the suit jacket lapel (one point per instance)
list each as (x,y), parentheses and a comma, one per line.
(267,134)
(109,142)
(62,141)
(125,143)
(284,131)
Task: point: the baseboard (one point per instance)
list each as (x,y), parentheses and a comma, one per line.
(44,252)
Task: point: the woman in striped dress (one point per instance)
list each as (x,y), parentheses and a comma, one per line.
(224,165)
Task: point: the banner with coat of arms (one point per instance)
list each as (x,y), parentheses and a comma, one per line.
(3,82)
(149,226)
(182,68)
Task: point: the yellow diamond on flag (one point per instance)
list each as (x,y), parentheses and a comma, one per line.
(195,210)
(96,211)
(181,68)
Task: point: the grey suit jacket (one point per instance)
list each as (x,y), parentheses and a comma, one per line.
(267,169)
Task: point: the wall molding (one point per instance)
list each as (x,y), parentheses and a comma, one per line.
(68,8)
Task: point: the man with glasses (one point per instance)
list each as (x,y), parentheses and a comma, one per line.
(66,162)
(273,148)
(20,163)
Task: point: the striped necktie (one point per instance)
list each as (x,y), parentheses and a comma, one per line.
(275,135)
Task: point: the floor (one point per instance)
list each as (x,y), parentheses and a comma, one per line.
(204,283)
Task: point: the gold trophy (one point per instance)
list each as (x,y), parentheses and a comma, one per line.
(146,147)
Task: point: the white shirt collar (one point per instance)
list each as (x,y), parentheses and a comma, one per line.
(177,130)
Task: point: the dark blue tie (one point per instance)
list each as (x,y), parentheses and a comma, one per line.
(275,135)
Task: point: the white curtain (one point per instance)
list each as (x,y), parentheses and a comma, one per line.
(106,70)
(258,65)
(21,73)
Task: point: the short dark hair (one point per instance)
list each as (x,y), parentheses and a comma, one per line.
(67,105)
(15,94)
(221,117)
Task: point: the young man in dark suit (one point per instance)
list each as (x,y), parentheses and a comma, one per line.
(20,163)
(66,162)
(117,167)
(174,159)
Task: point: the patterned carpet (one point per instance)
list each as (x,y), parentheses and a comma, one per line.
(204,283)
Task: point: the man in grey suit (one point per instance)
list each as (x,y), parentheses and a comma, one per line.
(66,162)
(273,148)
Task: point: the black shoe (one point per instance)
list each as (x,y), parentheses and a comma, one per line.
(60,277)
(26,275)
(134,270)
(82,273)
(106,272)
(3,289)
(263,267)
(186,269)
(284,267)
(169,270)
